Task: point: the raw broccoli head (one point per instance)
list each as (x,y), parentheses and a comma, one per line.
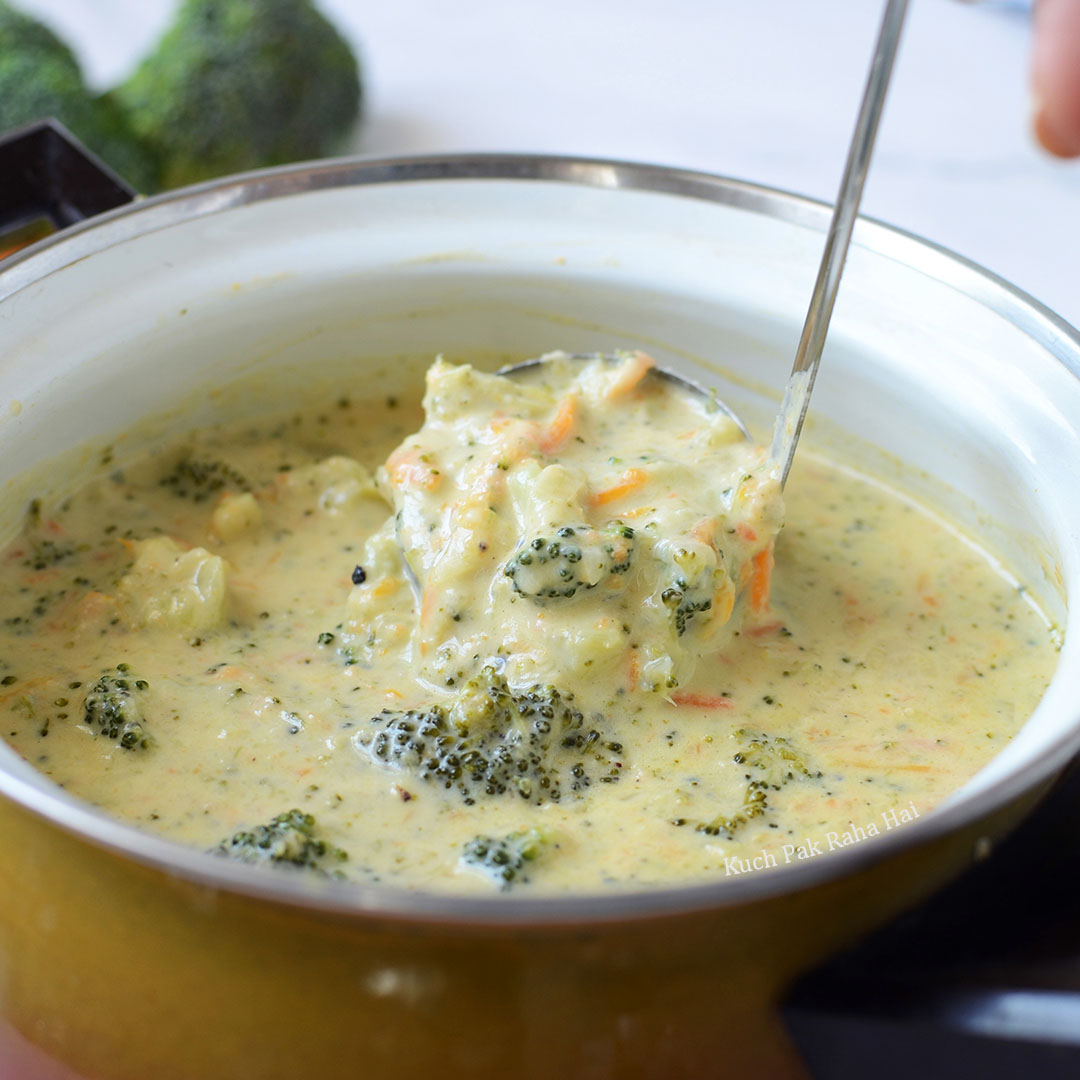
(572,558)
(493,741)
(40,77)
(20,33)
(504,860)
(239,84)
(113,708)
(289,839)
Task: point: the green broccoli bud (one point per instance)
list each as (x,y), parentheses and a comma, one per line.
(289,839)
(40,77)
(492,741)
(575,557)
(199,479)
(685,602)
(770,763)
(692,585)
(504,860)
(112,708)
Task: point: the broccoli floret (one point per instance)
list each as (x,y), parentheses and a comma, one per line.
(770,763)
(289,839)
(112,708)
(239,84)
(685,602)
(504,860)
(199,479)
(40,77)
(112,138)
(22,33)
(691,589)
(574,557)
(493,741)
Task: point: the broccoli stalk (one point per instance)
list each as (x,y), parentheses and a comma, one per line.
(288,840)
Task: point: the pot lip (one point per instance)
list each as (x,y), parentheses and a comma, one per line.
(386,903)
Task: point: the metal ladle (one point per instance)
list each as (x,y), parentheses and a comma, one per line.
(789,421)
(800,383)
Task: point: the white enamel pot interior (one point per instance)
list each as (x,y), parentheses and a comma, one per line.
(330,271)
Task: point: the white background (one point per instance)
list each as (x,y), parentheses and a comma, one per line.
(765,90)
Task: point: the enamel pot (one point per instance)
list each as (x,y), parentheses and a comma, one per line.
(124,956)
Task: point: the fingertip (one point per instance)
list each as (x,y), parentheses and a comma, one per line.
(1055,77)
(1054,141)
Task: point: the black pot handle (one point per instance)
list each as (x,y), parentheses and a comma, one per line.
(49,180)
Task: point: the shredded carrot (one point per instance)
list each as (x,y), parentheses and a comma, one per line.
(764,629)
(705,531)
(634,669)
(42,577)
(630,481)
(385,587)
(232,673)
(21,688)
(631,371)
(701,701)
(429,601)
(724,603)
(421,476)
(407,470)
(761,579)
(554,437)
(91,607)
(746,532)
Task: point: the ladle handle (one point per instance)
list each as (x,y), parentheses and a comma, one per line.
(789,422)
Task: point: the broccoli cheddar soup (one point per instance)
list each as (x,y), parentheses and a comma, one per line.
(558,632)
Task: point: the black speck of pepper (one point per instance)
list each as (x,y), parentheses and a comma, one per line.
(8,680)
(359,575)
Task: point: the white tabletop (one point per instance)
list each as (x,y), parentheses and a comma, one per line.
(765,90)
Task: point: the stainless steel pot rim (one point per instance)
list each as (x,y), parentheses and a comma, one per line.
(1048,330)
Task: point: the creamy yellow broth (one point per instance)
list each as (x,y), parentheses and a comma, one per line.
(247,588)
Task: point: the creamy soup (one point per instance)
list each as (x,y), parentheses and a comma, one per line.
(549,637)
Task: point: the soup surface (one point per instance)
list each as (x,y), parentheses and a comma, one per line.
(582,673)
